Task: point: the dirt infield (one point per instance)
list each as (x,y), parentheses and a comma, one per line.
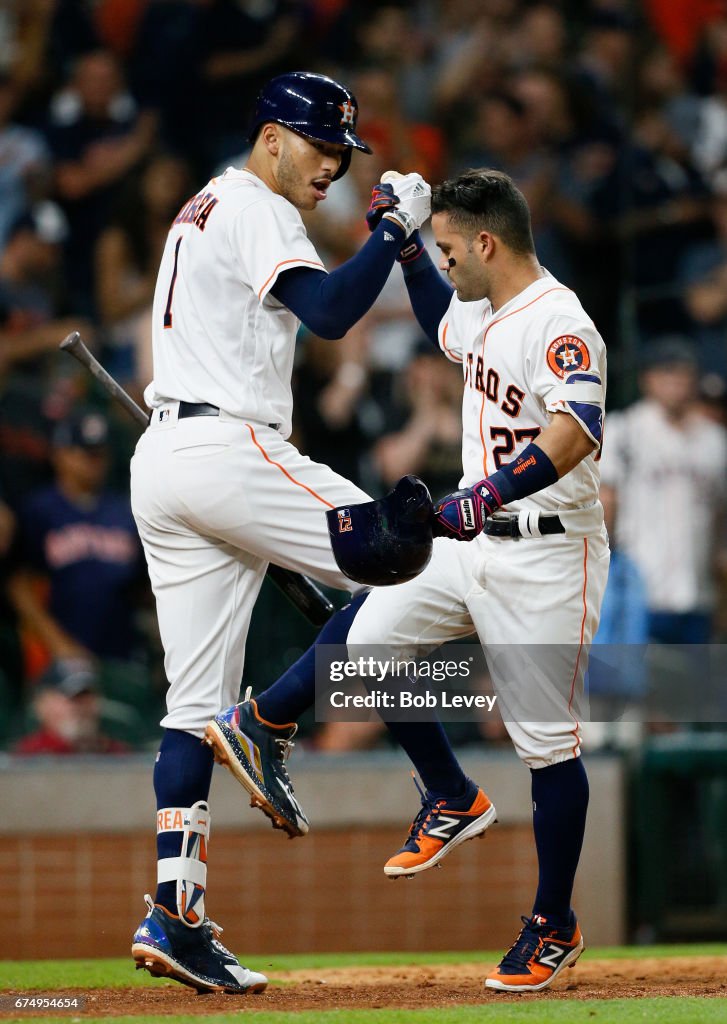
(411,988)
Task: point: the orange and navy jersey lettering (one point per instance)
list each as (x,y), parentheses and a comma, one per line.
(197,210)
(490,385)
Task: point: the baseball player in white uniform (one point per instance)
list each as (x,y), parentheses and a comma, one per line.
(217,490)
(535,568)
(658,450)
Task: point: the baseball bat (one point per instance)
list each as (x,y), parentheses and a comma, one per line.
(299,589)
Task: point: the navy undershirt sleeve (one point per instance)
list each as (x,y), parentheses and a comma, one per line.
(330,304)
(429,293)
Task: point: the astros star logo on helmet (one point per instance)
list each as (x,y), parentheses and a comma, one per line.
(348,111)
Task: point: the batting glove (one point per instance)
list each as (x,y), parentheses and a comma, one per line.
(382,200)
(462,514)
(414,196)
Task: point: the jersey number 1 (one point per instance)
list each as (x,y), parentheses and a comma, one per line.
(168,310)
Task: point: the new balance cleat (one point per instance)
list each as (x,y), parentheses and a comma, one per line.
(255,751)
(167,948)
(439,827)
(537,957)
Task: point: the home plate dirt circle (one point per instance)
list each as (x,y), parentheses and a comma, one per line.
(441,985)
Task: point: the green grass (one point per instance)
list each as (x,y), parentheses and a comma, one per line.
(529,1011)
(118,973)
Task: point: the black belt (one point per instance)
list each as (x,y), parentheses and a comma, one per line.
(509,527)
(188,409)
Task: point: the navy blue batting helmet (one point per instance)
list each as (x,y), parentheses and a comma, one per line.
(385,541)
(313,106)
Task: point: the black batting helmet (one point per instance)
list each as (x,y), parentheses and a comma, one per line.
(313,106)
(385,541)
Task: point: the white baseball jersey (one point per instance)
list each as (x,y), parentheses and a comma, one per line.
(216,498)
(671,481)
(219,336)
(538,354)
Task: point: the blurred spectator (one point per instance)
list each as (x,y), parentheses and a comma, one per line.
(51,34)
(331,384)
(470,57)
(29,285)
(67,705)
(703,275)
(30,332)
(399,39)
(239,45)
(540,37)
(398,141)
(424,434)
(504,138)
(127,261)
(664,489)
(24,162)
(80,541)
(604,67)
(657,204)
(662,84)
(11,662)
(97,136)
(165,41)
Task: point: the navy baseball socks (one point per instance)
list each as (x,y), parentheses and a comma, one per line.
(176,939)
(253,739)
(550,939)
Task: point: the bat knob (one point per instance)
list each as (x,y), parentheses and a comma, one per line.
(71,341)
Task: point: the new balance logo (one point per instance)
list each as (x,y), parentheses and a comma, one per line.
(552,955)
(444,827)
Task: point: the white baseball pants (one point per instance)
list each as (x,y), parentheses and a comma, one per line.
(215,499)
(517,596)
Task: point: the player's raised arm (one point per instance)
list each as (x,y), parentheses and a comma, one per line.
(330,304)
(429,293)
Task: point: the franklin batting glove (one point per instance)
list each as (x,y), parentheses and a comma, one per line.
(462,514)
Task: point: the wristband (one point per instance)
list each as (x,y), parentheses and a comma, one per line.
(530,472)
(410,251)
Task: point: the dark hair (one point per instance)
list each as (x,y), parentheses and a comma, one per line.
(487,200)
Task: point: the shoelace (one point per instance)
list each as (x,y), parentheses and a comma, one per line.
(429,808)
(285,746)
(524,946)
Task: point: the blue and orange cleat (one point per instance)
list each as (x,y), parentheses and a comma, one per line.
(439,827)
(255,751)
(538,955)
(168,948)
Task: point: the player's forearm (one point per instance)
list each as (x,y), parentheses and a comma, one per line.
(557,450)
(429,294)
(565,443)
(330,304)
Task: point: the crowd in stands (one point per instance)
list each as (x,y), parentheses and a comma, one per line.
(611,116)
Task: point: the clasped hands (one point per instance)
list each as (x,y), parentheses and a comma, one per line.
(404,198)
